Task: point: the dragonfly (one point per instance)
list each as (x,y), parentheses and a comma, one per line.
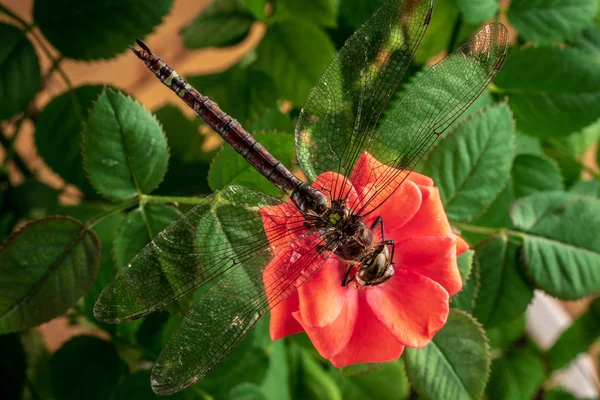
(222,243)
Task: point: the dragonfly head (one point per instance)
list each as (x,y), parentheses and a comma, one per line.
(153,62)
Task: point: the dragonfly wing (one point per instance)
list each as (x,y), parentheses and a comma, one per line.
(343,108)
(224,315)
(429,107)
(219,234)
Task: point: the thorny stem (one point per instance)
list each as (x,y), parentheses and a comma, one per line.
(10,150)
(146,198)
(14,16)
(455,33)
(486,231)
(55,60)
(114,210)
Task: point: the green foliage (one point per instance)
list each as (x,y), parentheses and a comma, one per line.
(85,368)
(320,12)
(124,148)
(551,21)
(387,382)
(63,256)
(13,365)
(560,257)
(221,23)
(470,183)
(455,365)
(99,29)
(19,71)
(551,105)
(471,276)
(477,11)
(531,174)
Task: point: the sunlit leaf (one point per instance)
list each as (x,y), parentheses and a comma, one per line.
(586,188)
(221,23)
(577,338)
(531,174)
(124,149)
(85,368)
(455,365)
(551,21)
(230,168)
(294,54)
(19,71)
(504,292)
(45,267)
(58,130)
(275,383)
(89,30)
(551,104)
(561,250)
(472,163)
(507,334)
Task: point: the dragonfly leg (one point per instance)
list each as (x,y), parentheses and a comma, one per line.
(347,279)
(391,243)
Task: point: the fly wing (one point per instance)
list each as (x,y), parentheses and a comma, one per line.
(225,314)
(340,114)
(222,233)
(428,108)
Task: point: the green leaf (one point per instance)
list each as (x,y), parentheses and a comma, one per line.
(316,384)
(13,365)
(577,338)
(528,145)
(272,120)
(45,267)
(438,33)
(31,199)
(243,93)
(388,382)
(516,376)
(139,228)
(360,369)
(477,11)
(275,383)
(559,394)
(246,391)
(455,365)
(85,368)
(505,335)
(137,387)
(504,293)
(561,250)
(532,174)
(19,71)
(589,41)
(230,168)
(58,134)
(189,162)
(586,188)
(551,21)
(496,216)
(294,54)
(469,272)
(124,149)
(356,12)
(256,7)
(471,163)
(320,12)
(221,23)
(550,105)
(98,29)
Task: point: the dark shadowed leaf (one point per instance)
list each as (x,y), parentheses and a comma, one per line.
(272,120)
(550,105)
(13,365)
(505,335)
(246,391)
(19,71)
(388,382)
(124,149)
(561,251)
(137,387)
(504,293)
(294,54)
(140,226)
(438,34)
(455,365)
(477,11)
(588,41)
(230,168)
(31,199)
(496,216)
(85,368)
(551,21)
(531,174)
(89,30)
(356,12)
(241,92)
(517,375)
(472,163)
(221,23)
(320,12)
(577,338)
(45,267)
(58,134)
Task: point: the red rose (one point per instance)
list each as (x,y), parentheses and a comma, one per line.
(353,323)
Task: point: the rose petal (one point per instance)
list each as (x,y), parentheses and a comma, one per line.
(433,257)
(398,209)
(330,339)
(430,220)
(282,223)
(419,179)
(336,186)
(412,306)
(282,322)
(322,297)
(370,341)
(461,245)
